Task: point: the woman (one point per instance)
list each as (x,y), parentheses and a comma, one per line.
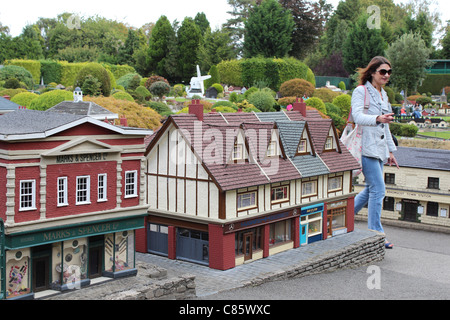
(377,143)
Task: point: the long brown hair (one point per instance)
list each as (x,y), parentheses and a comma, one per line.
(365,74)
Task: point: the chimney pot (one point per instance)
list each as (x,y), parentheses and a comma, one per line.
(196,108)
(299,106)
(7,97)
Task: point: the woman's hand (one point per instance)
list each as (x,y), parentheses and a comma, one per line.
(385,118)
(392,160)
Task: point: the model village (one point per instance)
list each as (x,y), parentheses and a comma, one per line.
(79,196)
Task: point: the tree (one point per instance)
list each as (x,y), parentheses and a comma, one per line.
(445,42)
(361,45)
(202,22)
(409,58)
(127,51)
(309,18)
(159,46)
(189,37)
(215,47)
(422,26)
(268,31)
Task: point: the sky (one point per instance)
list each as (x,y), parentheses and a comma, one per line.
(17,14)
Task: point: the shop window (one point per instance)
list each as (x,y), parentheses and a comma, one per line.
(336,216)
(101,188)
(119,251)
(432,209)
(388,204)
(309,188)
(246,200)
(27,195)
(18,273)
(279,194)
(130,184)
(335,184)
(62,191)
(389,178)
(69,263)
(83,190)
(280,232)
(433,183)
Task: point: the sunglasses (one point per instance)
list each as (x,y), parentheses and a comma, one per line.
(384,71)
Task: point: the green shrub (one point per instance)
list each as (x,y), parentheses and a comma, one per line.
(218,87)
(121,95)
(11,92)
(159,88)
(341,85)
(338,121)
(50,99)
(12,83)
(409,130)
(262,100)
(152,79)
(179,90)
(142,92)
(224,103)
(310,77)
(317,104)
(24,98)
(17,72)
(230,72)
(215,77)
(160,107)
(69,72)
(98,71)
(327,95)
(331,108)
(91,86)
(125,80)
(224,109)
(395,128)
(343,102)
(249,91)
(296,88)
(33,66)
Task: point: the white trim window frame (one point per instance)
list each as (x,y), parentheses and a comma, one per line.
(83,195)
(102,184)
(131,184)
(62,192)
(246,200)
(27,200)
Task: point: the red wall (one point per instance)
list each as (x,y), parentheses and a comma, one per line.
(71,171)
(3,172)
(130,165)
(221,248)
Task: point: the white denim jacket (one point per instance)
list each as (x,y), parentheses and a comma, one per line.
(376,139)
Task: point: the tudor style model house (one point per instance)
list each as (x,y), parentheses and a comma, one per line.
(224,189)
(72,194)
(420,190)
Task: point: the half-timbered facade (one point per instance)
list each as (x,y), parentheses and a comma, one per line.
(72,194)
(229,188)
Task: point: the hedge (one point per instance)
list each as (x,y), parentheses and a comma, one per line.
(24,98)
(50,99)
(273,71)
(98,71)
(434,83)
(33,66)
(51,71)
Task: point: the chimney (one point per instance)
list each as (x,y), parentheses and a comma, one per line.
(7,97)
(123,122)
(299,106)
(196,108)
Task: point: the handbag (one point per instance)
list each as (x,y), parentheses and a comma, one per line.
(352,136)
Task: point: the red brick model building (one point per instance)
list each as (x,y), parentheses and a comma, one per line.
(72,195)
(224,189)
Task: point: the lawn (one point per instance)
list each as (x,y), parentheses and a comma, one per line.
(438,134)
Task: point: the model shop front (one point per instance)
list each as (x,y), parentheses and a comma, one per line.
(68,258)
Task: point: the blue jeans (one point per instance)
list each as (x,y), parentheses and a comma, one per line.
(373,193)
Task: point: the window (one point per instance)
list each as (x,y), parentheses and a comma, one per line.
(329,143)
(238,152)
(246,200)
(256,237)
(280,232)
(335,184)
(432,209)
(102,183)
(130,184)
(27,195)
(279,193)
(302,146)
(433,183)
(83,190)
(272,150)
(309,188)
(62,191)
(388,204)
(389,178)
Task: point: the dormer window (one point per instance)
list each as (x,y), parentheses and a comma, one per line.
(238,151)
(302,146)
(272,149)
(329,143)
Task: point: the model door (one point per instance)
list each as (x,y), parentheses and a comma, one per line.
(248,246)
(95,262)
(41,274)
(303,234)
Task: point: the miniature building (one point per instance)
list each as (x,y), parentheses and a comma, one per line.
(72,195)
(420,190)
(6,105)
(224,189)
